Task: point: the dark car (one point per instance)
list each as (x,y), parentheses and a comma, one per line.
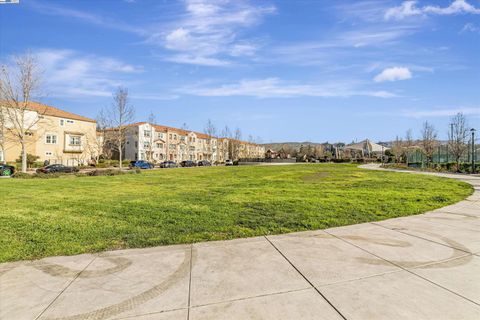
(57,168)
(141,164)
(204,163)
(168,164)
(6,170)
(188,163)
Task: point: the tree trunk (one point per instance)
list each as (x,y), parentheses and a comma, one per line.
(4,161)
(24,158)
(120,155)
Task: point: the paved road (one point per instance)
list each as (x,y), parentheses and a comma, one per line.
(419,267)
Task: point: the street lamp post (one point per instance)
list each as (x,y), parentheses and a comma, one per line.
(473,149)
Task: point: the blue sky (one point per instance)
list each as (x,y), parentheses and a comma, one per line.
(278,69)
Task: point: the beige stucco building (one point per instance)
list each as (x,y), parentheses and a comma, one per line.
(57,136)
(157,143)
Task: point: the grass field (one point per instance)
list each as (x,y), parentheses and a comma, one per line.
(72,215)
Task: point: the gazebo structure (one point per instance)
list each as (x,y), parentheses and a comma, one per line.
(367,148)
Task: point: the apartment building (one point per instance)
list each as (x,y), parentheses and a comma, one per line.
(57,136)
(157,143)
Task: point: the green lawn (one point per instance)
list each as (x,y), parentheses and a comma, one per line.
(72,215)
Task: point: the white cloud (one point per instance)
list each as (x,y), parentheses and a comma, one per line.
(275,88)
(410,8)
(393,74)
(70,73)
(441,112)
(406,9)
(197,60)
(208,33)
(60,11)
(456,7)
(470,27)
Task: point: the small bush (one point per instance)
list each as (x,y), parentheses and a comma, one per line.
(81,174)
(22,175)
(111,172)
(31,159)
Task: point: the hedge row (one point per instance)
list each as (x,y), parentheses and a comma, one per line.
(94,173)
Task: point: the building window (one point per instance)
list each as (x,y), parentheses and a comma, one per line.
(175,137)
(160,135)
(62,122)
(70,121)
(147,133)
(51,139)
(160,145)
(75,140)
(136,144)
(170,136)
(146,145)
(48,154)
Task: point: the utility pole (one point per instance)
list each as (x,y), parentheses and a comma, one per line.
(473,149)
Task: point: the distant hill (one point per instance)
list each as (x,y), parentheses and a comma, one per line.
(296,145)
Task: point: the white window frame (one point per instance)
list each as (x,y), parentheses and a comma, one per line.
(51,136)
(73,138)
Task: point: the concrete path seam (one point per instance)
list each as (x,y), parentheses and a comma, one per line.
(148,314)
(422,238)
(64,289)
(250,298)
(306,279)
(190,282)
(407,270)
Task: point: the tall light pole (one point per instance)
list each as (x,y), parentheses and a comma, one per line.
(473,149)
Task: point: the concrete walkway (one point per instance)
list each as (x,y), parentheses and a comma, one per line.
(419,267)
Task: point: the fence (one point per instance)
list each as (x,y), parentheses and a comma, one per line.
(442,155)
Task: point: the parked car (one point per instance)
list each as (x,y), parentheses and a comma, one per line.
(57,168)
(168,164)
(204,163)
(141,164)
(6,170)
(188,163)
(228,162)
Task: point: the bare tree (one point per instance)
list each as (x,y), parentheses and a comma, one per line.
(211,131)
(458,137)
(151,139)
(429,140)
(2,135)
(120,115)
(409,139)
(236,145)
(398,149)
(100,143)
(226,133)
(18,85)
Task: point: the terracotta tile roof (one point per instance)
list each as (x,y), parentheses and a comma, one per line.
(44,109)
(200,135)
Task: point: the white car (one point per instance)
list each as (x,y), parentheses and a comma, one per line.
(228,162)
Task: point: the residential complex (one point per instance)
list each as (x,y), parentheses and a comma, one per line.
(55,135)
(146,141)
